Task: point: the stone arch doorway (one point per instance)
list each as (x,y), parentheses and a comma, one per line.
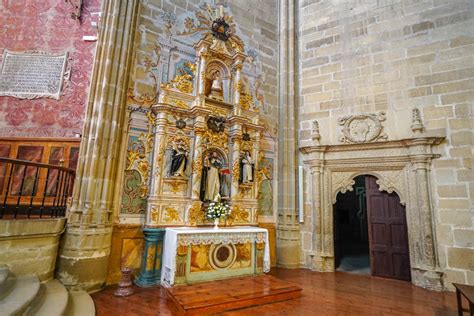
(401,167)
(370,231)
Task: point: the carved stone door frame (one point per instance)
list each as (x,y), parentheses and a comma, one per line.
(401,166)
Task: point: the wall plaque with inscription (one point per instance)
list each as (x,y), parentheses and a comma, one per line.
(30,75)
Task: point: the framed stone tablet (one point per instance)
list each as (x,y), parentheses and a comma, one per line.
(30,75)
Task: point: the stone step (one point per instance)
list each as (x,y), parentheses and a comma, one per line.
(51,301)
(7,280)
(21,295)
(80,304)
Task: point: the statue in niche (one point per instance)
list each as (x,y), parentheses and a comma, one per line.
(216,124)
(246,168)
(214,181)
(216,87)
(179,158)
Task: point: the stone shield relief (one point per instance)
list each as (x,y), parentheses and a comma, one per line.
(363,128)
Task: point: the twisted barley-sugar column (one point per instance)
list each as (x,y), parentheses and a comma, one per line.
(85,250)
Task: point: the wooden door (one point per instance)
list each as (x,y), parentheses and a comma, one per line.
(388,237)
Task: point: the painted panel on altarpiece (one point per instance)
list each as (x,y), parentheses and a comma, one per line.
(133,197)
(265,189)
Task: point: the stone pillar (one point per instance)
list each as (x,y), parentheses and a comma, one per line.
(316,224)
(85,250)
(199,128)
(150,272)
(288,231)
(428,274)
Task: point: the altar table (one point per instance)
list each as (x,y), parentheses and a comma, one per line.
(202,254)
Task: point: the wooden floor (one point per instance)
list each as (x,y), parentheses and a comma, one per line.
(323,294)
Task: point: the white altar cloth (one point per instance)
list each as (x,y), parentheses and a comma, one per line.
(241,234)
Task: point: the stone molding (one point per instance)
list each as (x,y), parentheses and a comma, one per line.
(401,166)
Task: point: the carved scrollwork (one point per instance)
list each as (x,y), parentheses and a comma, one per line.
(154,215)
(171,215)
(138,156)
(392,181)
(220,140)
(238,215)
(341,182)
(195,214)
(362,128)
(183,81)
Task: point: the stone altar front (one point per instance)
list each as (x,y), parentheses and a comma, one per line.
(203,254)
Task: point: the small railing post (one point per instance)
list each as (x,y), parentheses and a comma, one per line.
(20,193)
(33,192)
(4,206)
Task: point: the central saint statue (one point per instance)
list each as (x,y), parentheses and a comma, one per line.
(211,177)
(216,87)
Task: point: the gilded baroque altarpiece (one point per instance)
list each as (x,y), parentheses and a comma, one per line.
(204,116)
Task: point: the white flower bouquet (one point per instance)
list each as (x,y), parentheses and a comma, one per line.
(217,210)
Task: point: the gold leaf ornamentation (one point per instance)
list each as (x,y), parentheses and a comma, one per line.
(183,81)
(138,156)
(172,215)
(236,169)
(154,215)
(238,215)
(220,140)
(197,165)
(195,214)
(175,186)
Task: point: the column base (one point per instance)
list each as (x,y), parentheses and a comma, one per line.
(428,279)
(150,272)
(83,260)
(322,263)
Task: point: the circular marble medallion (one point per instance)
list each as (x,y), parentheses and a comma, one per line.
(222,256)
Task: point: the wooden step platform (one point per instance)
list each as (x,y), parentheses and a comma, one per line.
(219,296)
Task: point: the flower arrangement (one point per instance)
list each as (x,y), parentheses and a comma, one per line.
(217,210)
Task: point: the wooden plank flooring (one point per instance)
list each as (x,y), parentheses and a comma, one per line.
(323,294)
(230,294)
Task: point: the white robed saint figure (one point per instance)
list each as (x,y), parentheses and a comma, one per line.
(212,184)
(247,168)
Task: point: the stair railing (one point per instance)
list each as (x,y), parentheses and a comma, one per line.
(33,190)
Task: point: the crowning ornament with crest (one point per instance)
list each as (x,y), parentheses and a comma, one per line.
(213,23)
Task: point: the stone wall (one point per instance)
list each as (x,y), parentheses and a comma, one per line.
(30,247)
(392,55)
(47,26)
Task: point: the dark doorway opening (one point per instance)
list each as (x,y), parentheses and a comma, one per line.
(352,252)
(370,232)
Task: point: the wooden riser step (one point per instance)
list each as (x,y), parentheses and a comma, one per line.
(219,296)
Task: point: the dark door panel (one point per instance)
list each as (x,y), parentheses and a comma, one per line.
(389,254)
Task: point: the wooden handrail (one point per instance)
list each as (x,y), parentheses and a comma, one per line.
(33,190)
(36,164)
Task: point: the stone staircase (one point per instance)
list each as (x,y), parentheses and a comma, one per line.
(27,296)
